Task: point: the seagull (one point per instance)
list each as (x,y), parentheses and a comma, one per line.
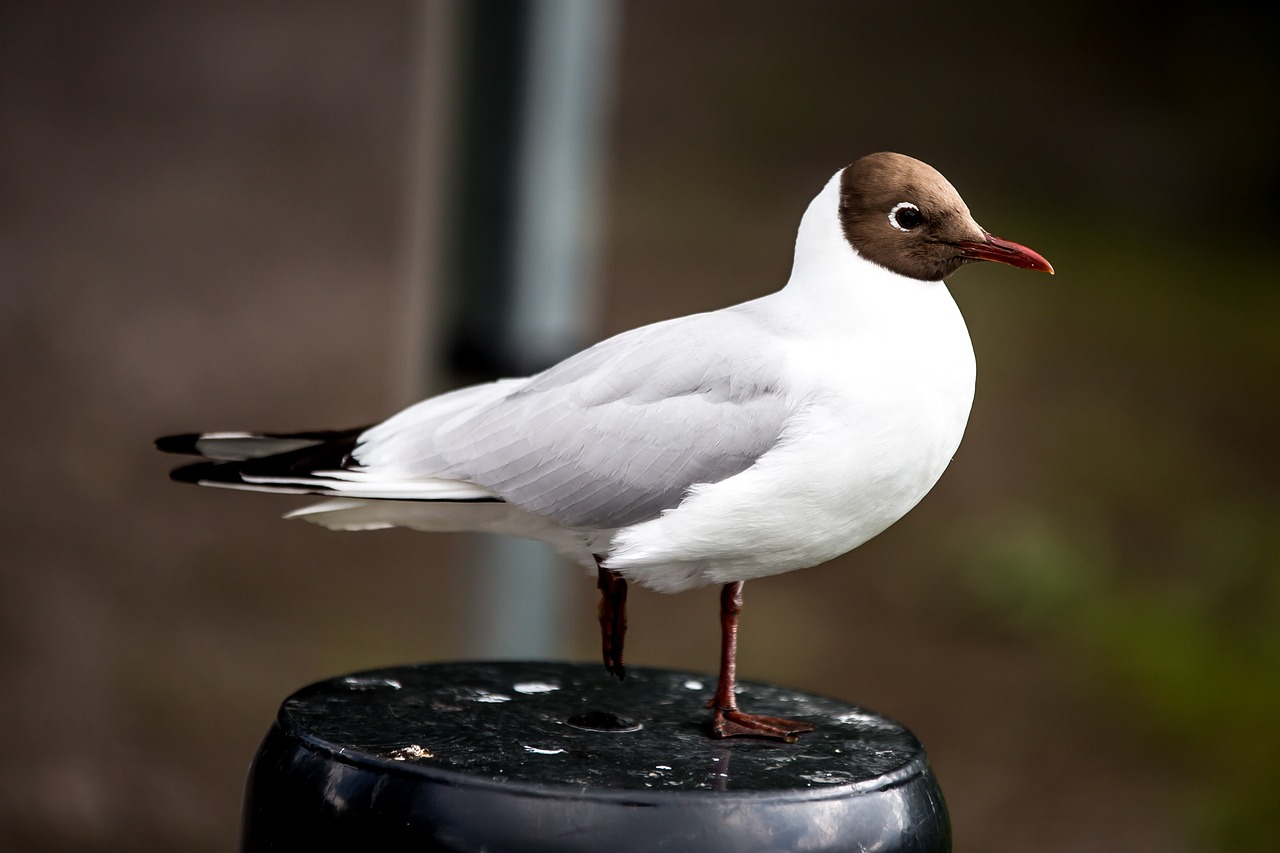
(716,448)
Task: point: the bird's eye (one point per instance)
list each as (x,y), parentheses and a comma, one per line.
(905,216)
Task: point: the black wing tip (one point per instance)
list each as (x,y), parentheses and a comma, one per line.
(184,444)
(190,473)
(208,474)
(228,474)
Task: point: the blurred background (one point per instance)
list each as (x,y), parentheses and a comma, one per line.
(205,222)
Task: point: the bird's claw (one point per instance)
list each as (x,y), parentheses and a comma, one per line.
(735,723)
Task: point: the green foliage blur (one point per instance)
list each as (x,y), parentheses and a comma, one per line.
(1150,556)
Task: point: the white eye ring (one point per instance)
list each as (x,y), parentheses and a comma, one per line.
(893,214)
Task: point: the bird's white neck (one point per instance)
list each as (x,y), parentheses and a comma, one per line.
(831,283)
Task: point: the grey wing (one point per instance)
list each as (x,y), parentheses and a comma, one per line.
(611,436)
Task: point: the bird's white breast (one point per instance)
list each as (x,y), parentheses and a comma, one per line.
(883,377)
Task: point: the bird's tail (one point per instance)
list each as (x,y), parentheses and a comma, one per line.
(239,446)
(242,460)
(304,463)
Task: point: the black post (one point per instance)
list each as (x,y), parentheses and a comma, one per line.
(526,757)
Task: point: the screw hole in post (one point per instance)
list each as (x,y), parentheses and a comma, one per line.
(604,721)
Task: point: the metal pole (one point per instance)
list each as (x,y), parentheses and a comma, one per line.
(519,251)
(522,588)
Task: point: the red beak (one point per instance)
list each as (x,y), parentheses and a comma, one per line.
(1005,252)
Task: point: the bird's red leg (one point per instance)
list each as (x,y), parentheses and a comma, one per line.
(613,618)
(728,721)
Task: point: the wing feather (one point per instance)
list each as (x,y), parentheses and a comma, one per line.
(607,438)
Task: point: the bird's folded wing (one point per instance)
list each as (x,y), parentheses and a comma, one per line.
(607,438)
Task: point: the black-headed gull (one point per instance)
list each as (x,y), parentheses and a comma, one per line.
(710,449)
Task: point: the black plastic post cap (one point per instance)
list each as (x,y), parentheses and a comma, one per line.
(544,757)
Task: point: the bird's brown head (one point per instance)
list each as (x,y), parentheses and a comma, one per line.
(905,216)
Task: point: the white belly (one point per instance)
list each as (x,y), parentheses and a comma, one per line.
(862,450)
